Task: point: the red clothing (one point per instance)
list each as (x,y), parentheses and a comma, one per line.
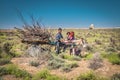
(71,35)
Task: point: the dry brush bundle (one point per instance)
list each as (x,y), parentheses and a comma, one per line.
(34,34)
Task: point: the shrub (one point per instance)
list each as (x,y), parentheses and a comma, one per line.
(89,48)
(12,69)
(73,65)
(66,56)
(89,56)
(45,75)
(116,76)
(4,61)
(118,47)
(1,78)
(54,64)
(68,67)
(76,58)
(90,76)
(111,49)
(42,74)
(96,62)
(113,58)
(98,42)
(7,46)
(87,76)
(34,63)
(3,71)
(69,57)
(53,77)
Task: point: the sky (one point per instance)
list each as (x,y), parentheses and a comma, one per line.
(61,13)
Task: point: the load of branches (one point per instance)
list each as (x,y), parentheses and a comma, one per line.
(34,34)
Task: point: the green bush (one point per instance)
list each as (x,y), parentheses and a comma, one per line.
(73,65)
(89,56)
(3,71)
(5,50)
(113,58)
(90,76)
(70,57)
(76,58)
(53,77)
(116,76)
(54,64)
(42,75)
(87,76)
(66,56)
(7,46)
(89,48)
(12,69)
(34,63)
(1,78)
(4,61)
(68,67)
(111,49)
(96,62)
(45,75)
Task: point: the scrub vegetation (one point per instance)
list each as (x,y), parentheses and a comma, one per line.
(99,60)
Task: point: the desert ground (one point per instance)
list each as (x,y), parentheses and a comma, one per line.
(99,60)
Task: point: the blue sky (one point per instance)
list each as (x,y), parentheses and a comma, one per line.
(61,13)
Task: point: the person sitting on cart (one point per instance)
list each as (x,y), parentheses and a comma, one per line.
(59,41)
(70,38)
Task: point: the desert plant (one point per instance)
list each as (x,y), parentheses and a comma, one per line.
(68,67)
(90,76)
(45,75)
(55,64)
(87,76)
(1,78)
(4,61)
(115,76)
(89,48)
(118,47)
(42,74)
(34,63)
(53,77)
(98,42)
(7,47)
(34,34)
(3,71)
(76,58)
(114,58)
(69,57)
(88,56)
(95,62)
(111,49)
(73,65)
(13,69)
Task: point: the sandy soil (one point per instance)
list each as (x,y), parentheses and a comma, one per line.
(10,77)
(107,70)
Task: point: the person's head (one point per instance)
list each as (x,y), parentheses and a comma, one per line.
(59,30)
(68,33)
(72,33)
